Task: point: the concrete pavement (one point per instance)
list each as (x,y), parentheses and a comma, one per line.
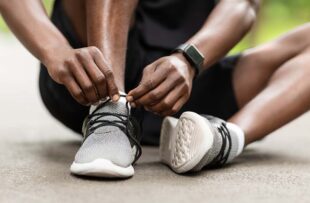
(36,152)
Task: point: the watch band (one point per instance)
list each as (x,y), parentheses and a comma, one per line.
(192,54)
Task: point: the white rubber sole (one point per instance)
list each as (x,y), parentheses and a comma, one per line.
(101,168)
(184,142)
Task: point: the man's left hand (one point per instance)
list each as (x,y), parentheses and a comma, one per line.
(165,86)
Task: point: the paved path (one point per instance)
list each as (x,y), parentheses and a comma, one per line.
(36,152)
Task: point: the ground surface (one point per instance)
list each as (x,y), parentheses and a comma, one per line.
(36,152)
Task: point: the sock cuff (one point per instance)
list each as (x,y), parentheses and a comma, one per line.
(240,136)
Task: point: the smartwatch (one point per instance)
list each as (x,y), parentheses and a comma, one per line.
(192,55)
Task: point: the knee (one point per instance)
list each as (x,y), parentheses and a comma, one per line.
(285,47)
(295,41)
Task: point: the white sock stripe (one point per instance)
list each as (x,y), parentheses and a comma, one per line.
(240,135)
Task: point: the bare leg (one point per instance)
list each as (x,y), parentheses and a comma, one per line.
(272,84)
(106,30)
(76,12)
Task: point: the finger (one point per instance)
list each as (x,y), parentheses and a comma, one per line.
(176,108)
(150,80)
(75,91)
(95,74)
(84,82)
(168,102)
(111,85)
(158,93)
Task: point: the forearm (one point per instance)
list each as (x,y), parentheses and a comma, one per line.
(30,23)
(108,24)
(226,26)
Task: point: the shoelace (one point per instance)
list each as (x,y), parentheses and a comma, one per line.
(95,121)
(222,157)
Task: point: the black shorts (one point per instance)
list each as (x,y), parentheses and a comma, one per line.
(212,91)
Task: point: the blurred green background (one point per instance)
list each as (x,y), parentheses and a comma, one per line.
(275,18)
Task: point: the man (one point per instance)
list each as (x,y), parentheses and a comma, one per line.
(94,52)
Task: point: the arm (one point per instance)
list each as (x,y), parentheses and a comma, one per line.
(166,84)
(29,22)
(227,25)
(82,71)
(108,24)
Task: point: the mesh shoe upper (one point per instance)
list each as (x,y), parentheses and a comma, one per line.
(224,146)
(110,133)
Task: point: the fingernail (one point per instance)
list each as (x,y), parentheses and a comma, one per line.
(115,97)
(129,98)
(133,105)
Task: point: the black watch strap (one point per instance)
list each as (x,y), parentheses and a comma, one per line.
(192,54)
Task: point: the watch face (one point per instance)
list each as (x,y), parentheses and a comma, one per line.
(194,54)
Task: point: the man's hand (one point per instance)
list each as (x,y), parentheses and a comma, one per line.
(85,74)
(165,86)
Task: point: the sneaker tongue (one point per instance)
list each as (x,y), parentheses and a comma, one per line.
(118,108)
(112,107)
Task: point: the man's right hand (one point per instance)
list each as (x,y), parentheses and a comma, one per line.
(85,74)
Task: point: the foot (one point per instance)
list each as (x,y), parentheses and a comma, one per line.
(195,141)
(111,144)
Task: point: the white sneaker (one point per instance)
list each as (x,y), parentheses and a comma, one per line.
(111,143)
(194,141)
